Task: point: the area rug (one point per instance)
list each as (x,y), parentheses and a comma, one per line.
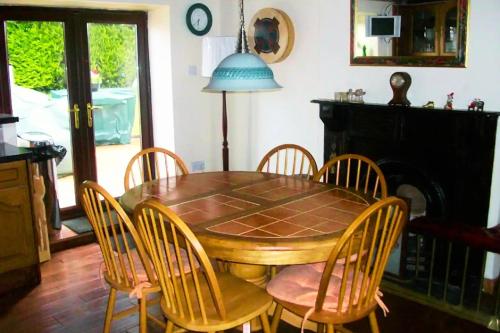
(80,225)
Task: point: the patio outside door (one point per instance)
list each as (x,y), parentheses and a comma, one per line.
(85,83)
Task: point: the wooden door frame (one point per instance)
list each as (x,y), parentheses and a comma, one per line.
(74,20)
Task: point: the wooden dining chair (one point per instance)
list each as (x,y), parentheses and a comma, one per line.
(203,300)
(354,172)
(289,159)
(126,266)
(341,291)
(153,163)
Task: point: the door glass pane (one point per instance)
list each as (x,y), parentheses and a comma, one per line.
(38,82)
(115,100)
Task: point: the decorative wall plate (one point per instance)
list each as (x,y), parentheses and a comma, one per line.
(271,35)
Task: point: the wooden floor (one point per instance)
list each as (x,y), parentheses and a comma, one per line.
(72,298)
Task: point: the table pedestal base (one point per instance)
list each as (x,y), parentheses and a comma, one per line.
(257,274)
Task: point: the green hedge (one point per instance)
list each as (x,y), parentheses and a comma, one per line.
(36,52)
(113,53)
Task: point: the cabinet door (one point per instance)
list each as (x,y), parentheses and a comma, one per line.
(450,33)
(425,31)
(17,244)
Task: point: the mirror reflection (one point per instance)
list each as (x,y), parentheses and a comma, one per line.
(408,32)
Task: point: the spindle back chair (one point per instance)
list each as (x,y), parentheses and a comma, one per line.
(354,172)
(202,300)
(125,261)
(347,290)
(289,159)
(153,163)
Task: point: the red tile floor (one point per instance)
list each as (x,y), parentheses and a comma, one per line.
(72,298)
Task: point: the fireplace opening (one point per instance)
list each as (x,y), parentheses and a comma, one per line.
(420,258)
(425,198)
(413,183)
(417,202)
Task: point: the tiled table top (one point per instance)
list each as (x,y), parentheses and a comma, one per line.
(253,205)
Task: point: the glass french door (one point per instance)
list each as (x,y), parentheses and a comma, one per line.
(80,76)
(113,110)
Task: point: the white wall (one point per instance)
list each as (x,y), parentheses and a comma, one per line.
(319,65)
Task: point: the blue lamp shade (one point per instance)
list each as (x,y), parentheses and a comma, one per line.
(242,72)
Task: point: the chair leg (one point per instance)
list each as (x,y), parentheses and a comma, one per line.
(170,327)
(276,318)
(143,314)
(373,322)
(109,310)
(320,328)
(265,322)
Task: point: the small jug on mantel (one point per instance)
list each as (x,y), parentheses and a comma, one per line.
(350,96)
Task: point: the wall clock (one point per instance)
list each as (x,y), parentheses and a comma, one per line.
(271,35)
(400,82)
(199,19)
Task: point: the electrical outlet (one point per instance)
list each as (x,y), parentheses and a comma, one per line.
(192,70)
(198,166)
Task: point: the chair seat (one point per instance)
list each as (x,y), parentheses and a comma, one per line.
(299,285)
(243,301)
(141,272)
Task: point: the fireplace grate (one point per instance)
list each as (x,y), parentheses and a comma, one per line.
(448,275)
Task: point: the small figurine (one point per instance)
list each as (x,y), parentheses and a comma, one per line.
(429,105)
(358,96)
(476,105)
(479,105)
(449,102)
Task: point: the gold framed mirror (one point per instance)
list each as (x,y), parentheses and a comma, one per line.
(409,32)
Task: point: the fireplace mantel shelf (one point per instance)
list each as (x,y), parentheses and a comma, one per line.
(386,107)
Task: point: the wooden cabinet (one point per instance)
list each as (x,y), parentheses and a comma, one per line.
(18,253)
(428,29)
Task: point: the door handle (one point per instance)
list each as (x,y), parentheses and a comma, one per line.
(76,113)
(90,109)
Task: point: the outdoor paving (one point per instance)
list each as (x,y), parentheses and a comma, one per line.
(112,162)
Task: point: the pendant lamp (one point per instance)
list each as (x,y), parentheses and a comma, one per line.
(239,72)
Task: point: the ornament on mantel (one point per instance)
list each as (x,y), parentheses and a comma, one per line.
(429,105)
(476,105)
(449,102)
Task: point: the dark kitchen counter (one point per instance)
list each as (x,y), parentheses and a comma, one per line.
(7,119)
(10,153)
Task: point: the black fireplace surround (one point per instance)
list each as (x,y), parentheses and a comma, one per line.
(447,155)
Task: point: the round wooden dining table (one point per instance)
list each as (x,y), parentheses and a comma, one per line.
(256,218)
(253,220)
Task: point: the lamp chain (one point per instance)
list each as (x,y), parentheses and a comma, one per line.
(242,37)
